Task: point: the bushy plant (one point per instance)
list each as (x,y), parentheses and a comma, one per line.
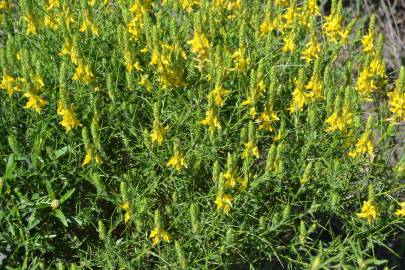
(197,134)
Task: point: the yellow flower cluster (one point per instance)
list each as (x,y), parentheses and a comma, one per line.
(69,120)
(369,211)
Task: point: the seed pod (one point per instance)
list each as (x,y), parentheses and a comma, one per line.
(303,233)
(316,263)
(95,130)
(243,135)
(306,177)
(101,230)
(181,259)
(334,201)
(369,124)
(230,236)
(138,224)
(221,184)
(399,169)
(242,34)
(262,223)
(63,94)
(380,45)
(271,155)
(111,88)
(146,139)
(11,51)
(175,197)
(311,117)
(86,139)
(215,171)
(252,132)
(124,191)
(130,81)
(194,213)
(98,183)
(143,205)
(286,213)
(157,220)
(3,61)
(400,83)
(371,192)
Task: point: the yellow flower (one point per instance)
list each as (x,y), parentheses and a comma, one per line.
(90,155)
(231,178)
(219,93)
(315,88)
(211,120)
(127,217)
(366,84)
(31,28)
(35,102)
(289,43)
(397,105)
(9,84)
(313,7)
(83,73)
(368,42)
(133,29)
(298,100)
(158,234)
(52,4)
(158,133)
(224,202)
(199,44)
(240,61)
(88,25)
(267,118)
(377,67)
(267,26)
(69,120)
(146,82)
(128,60)
(341,121)
(187,5)
(401,212)
(68,18)
(332,27)
(363,146)
(66,48)
(368,211)
(52,23)
(177,161)
(311,51)
(250,149)
(280,135)
(125,206)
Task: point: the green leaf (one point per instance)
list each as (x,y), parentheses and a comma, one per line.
(49,188)
(9,167)
(59,214)
(60,152)
(32,221)
(67,195)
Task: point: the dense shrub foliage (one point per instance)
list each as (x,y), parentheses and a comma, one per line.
(197,134)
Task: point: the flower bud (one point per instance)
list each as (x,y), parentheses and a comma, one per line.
(194,213)
(181,259)
(124,191)
(101,230)
(55,204)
